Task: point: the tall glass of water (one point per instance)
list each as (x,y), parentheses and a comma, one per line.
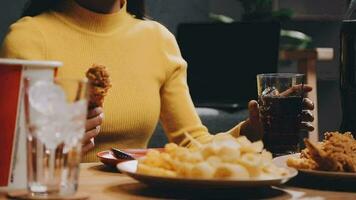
(55,114)
(280,98)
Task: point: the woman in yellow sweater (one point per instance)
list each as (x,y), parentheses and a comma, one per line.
(147,70)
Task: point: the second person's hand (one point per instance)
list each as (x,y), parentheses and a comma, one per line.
(253,128)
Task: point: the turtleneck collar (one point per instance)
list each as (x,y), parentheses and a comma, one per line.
(89,20)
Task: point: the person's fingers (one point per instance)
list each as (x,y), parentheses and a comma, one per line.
(94,122)
(95,112)
(296,88)
(91,134)
(306,88)
(308,104)
(254,115)
(306,126)
(87,147)
(252,127)
(307,116)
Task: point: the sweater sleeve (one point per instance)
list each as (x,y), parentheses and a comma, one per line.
(178,114)
(24,41)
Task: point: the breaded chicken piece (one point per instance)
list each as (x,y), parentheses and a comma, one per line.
(100,84)
(341,148)
(336,153)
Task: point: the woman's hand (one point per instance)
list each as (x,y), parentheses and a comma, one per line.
(253,127)
(92,128)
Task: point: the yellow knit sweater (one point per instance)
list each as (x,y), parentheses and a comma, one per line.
(147,71)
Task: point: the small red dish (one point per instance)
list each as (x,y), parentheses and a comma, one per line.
(108,158)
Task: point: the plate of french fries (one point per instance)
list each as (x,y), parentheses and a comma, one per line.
(334,157)
(225,162)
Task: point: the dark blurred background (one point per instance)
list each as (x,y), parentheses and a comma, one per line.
(319,19)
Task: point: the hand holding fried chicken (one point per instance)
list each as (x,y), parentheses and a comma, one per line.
(100,84)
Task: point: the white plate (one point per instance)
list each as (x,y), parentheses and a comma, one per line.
(130,168)
(281,161)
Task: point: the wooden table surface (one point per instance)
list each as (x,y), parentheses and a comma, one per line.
(103,183)
(100,183)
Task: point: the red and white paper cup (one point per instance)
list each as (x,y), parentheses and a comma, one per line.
(12,119)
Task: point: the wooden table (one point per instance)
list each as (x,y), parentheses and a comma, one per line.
(104,183)
(101,183)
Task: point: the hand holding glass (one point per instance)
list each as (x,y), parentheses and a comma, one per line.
(280,99)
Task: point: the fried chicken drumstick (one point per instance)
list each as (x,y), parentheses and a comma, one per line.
(100,84)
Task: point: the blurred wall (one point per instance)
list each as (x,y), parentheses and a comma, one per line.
(173,12)
(315,7)
(10,11)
